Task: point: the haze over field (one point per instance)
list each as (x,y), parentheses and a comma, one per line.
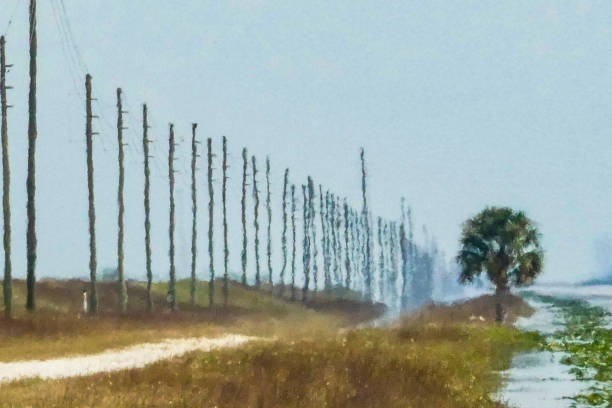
(457,107)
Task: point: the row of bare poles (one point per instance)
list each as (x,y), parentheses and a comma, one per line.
(354,242)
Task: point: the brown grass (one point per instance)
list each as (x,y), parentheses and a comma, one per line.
(58,328)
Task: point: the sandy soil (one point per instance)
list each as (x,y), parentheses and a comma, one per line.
(113,360)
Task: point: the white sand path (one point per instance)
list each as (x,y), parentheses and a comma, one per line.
(114,360)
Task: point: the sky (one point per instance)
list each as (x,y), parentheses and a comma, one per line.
(458,105)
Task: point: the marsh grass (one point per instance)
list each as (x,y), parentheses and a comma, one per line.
(425,364)
(58,328)
(430,366)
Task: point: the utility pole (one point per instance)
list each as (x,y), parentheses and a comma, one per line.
(147,205)
(31,179)
(347,261)
(243,256)
(194,211)
(256,223)
(225,244)
(293,249)
(172,282)
(7,284)
(368,234)
(306,243)
(284,236)
(313,231)
(269,211)
(324,240)
(120,270)
(93,263)
(211,203)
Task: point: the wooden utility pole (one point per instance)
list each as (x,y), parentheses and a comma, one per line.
(172,282)
(120,269)
(211,204)
(347,248)
(7,284)
(293,248)
(245,164)
(284,236)
(93,263)
(256,222)
(147,205)
(306,243)
(194,210)
(368,234)
(324,241)
(225,244)
(269,230)
(313,232)
(31,179)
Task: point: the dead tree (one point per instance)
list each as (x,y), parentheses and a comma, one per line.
(31,240)
(225,244)
(7,283)
(93,263)
(120,268)
(194,213)
(172,282)
(211,203)
(147,206)
(243,255)
(256,223)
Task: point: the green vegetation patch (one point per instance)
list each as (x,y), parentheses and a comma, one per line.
(588,344)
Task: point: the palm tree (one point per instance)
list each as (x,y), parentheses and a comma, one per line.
(505,245)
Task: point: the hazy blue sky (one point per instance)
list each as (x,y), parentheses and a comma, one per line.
(459,105)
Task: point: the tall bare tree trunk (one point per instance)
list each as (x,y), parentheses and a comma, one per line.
(194,213)
(172,283)
(93,262)
(256,223)
(147,206)
(243,255)
(31,241)
(120,270)
(225,244)
(211,203)
(7,283)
